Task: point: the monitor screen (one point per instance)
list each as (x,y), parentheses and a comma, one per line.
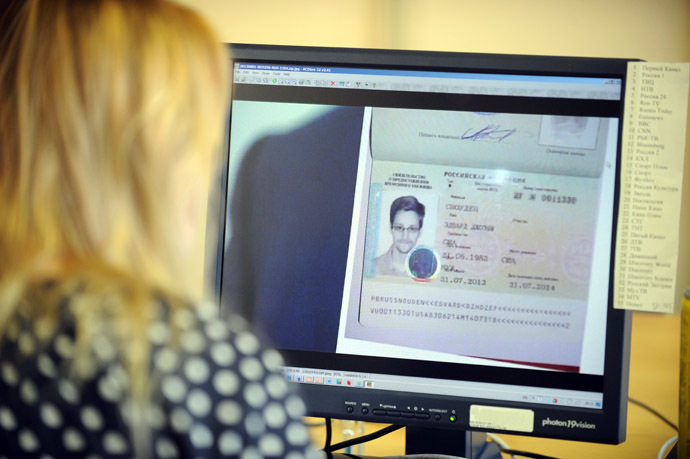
(428,237)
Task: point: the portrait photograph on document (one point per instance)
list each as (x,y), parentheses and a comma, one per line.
(406,222)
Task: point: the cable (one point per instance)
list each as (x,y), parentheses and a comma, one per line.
(515,452)
(654,412)
(664,447)
(329,434)
(328,448)
(356,441)
(314,424)
(502,445)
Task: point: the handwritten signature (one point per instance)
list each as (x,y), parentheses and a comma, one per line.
(491,132)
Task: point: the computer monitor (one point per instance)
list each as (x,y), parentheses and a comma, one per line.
(429,237)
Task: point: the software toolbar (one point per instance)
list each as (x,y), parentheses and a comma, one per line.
(435,82)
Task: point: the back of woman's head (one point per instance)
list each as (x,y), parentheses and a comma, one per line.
(110,113)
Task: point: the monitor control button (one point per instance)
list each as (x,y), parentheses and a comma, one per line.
(407,414)
(365,410)
(394,413)
(378,412)
(422,415)
(437,417)
(349,409)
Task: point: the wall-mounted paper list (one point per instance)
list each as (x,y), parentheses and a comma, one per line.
(656,99)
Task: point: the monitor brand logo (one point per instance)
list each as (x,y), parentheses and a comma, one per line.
(570,424)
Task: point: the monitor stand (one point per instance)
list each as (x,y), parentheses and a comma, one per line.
(469,444)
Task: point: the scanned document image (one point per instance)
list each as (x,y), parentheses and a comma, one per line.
(479,234)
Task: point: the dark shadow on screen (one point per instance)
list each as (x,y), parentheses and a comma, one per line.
(291,212)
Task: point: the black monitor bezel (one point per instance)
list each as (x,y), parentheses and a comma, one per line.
(610,421)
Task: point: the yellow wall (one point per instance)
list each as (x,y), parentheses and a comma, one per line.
(653,30)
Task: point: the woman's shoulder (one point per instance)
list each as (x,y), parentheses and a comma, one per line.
(221,386)
(214,386)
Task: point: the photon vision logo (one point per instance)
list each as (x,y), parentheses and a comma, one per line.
(570,424)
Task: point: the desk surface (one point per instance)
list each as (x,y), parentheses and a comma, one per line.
(654,380)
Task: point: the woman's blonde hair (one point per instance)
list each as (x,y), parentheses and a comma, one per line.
(107,109)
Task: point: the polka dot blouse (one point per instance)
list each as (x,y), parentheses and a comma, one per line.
(216,394)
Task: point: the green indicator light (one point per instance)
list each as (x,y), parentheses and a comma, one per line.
(453,418)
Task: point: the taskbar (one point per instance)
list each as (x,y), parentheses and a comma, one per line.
(433,386)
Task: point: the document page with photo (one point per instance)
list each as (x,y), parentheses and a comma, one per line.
(480,236)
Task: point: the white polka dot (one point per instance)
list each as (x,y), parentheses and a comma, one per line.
(109,388)
(183,318)
(119,375)
(236,323)
(255,395)
(229,412)
(104,348)
(276,386)
(226,382)
(297,434)
(9,374)
(295,407)
(46,366)
(50,415)
(193,342)
(73,440)
(28,392)
(43,329)
(158,333)
(174,388)
(230,443)
(68,392)
(272,359)
(196,370)
(217,331)
(271,445)
(251,368)
(207,311)
(166,448)
(91,418)
(247,343)
(223,354)
(198,403)
(254,424)
(28,441)
(114,443)
(166,360)
(27,344)
(251,453)
(64,346)
(275,416)
(7,420)
(180,420)
(201,436)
